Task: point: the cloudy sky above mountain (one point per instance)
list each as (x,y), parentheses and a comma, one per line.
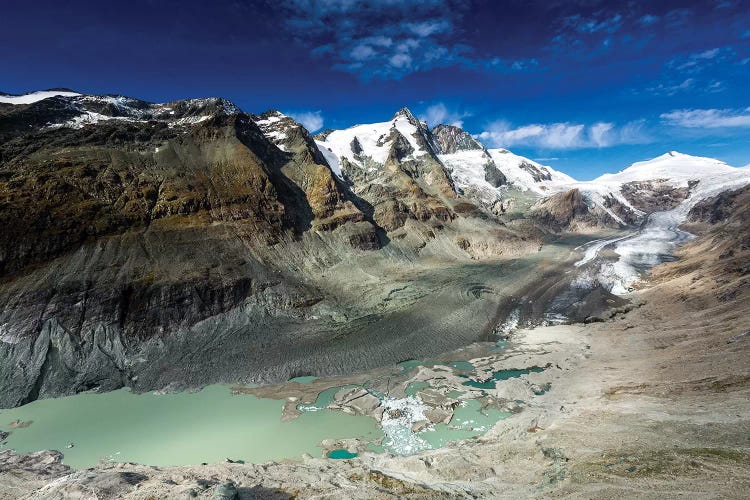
(590,85)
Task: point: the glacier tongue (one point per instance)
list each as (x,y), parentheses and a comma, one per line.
(661,234)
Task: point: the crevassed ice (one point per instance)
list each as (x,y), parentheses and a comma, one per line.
(399,438)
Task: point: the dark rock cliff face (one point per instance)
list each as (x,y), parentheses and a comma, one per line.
(654,196)
(493,175)
(716,209)
(120,232)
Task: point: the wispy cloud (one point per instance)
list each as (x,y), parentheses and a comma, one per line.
(311,120)
(695,73)
(440,114)
(671,88)
(678,18)
(708,118)
(648,20)
(581,24)
(390,39)
(565,135)
(702,61)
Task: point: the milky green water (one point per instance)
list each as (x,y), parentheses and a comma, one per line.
(175,429)
(413,388)
(469,420)
(213,425)
(304,379)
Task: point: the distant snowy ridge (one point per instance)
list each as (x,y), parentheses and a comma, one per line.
(92,109)
(661,233)
(673,169)
(35,96)
(486,174)
(530,175)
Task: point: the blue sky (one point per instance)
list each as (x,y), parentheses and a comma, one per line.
(586,86)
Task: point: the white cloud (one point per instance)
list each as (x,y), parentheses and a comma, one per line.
(599,133)
(707,54)
(400,60)
(431,27)
(565,135)
(362,52)
(311,120)
(708,118)
(440,114)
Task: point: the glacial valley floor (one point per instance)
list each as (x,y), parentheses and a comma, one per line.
(653,403)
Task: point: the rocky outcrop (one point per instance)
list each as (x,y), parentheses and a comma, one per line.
(717,209)
(493,175)
(654,196)
(561,210)
(450,139)
(537,172)
(725,243)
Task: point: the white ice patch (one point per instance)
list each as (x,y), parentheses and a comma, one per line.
(399,438)
(188,120)
(270,120)
(7,336)
(587,280)
(510,165)
(511,322)
(467,171)
(85,118)
(594,247)
(331,158)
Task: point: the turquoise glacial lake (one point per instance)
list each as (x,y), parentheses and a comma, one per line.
(175,429)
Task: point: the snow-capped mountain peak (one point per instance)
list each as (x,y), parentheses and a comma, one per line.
(408,115)
(369,146)
(674,167)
